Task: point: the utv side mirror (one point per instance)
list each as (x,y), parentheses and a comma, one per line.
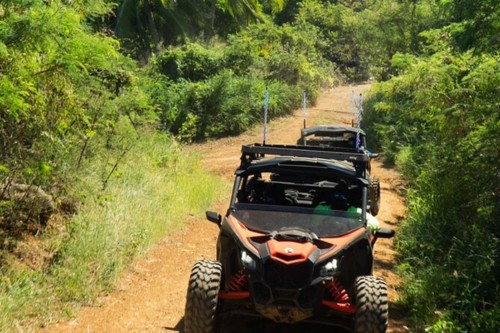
(385,233)
(214,217)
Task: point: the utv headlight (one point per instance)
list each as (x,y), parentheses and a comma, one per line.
(247,261)
(329,269)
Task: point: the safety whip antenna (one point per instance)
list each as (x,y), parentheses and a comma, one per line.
(353,108)
(266,106)
(305,109)
(360,116)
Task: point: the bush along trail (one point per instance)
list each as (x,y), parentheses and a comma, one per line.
(150,296)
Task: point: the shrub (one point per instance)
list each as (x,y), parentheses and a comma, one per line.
(225,104)
(191,61)
(288,53)
(210,101)
(438,122)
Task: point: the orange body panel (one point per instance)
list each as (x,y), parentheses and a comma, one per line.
(243,233)
(234,294)
(342,307)
(289,252)
(299,253)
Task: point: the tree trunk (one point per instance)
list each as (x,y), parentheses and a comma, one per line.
(211,31)
(152,27)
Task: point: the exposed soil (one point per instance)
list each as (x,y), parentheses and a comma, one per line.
(150,296)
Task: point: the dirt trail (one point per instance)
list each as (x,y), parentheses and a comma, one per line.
(150,296)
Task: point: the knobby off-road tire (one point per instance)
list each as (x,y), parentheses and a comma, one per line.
(372,312)
(202,297)
(374,193)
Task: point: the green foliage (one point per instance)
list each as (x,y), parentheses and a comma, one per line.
(147,26)
(390,27)
(204,93)
(246,12)
(287,53)
(56,77)
(464,25)
(67,95)
(152,191)
(361,37)
(191,62)
(144,26)
(439,122)
(443,326)
(335,24)
(474,25)
(225,104)
(73,111)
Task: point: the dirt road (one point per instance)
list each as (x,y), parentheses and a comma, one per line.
(150,297)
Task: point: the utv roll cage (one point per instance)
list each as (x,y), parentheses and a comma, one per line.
(310,162)
(333,136)
(326,130)
(253,152)
(349,140)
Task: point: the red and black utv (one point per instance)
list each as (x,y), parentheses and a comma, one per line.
(293,246)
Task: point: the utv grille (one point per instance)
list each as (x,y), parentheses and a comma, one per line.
(278,275)
(305,298)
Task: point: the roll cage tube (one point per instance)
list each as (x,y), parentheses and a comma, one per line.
(236,187)
(365,202)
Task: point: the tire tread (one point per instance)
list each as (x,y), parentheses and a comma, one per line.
(202,297)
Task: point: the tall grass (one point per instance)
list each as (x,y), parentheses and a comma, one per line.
(151,193)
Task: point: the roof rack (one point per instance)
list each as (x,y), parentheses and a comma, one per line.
(326,129)
(256,151)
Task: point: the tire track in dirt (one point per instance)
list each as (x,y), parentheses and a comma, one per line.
(150,296)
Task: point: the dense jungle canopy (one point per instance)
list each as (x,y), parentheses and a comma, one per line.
(84,83)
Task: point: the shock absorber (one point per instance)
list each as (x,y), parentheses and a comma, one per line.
(238,282)
(337,291)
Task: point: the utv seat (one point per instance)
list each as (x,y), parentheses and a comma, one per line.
(275,195)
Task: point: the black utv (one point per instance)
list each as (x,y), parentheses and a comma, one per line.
(345,139)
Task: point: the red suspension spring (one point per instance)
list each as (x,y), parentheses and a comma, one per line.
(337,291)
(238,282)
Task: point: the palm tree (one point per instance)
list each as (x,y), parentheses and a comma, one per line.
(157,22)
(153,23)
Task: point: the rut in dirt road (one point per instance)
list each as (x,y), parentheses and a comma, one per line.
(150,296)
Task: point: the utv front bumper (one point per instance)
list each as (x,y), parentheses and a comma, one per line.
(288,293)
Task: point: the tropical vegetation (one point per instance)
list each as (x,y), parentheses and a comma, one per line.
(89,89)
(439,121)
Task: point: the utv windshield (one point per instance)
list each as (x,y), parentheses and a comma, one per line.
(306,196)
(323,221)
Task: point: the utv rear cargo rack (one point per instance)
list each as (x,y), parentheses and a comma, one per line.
(256,151)
(324,129)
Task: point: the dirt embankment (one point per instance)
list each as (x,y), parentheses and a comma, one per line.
(150,296)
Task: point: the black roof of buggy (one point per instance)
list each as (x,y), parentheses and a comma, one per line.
(345,163)
(328,129)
